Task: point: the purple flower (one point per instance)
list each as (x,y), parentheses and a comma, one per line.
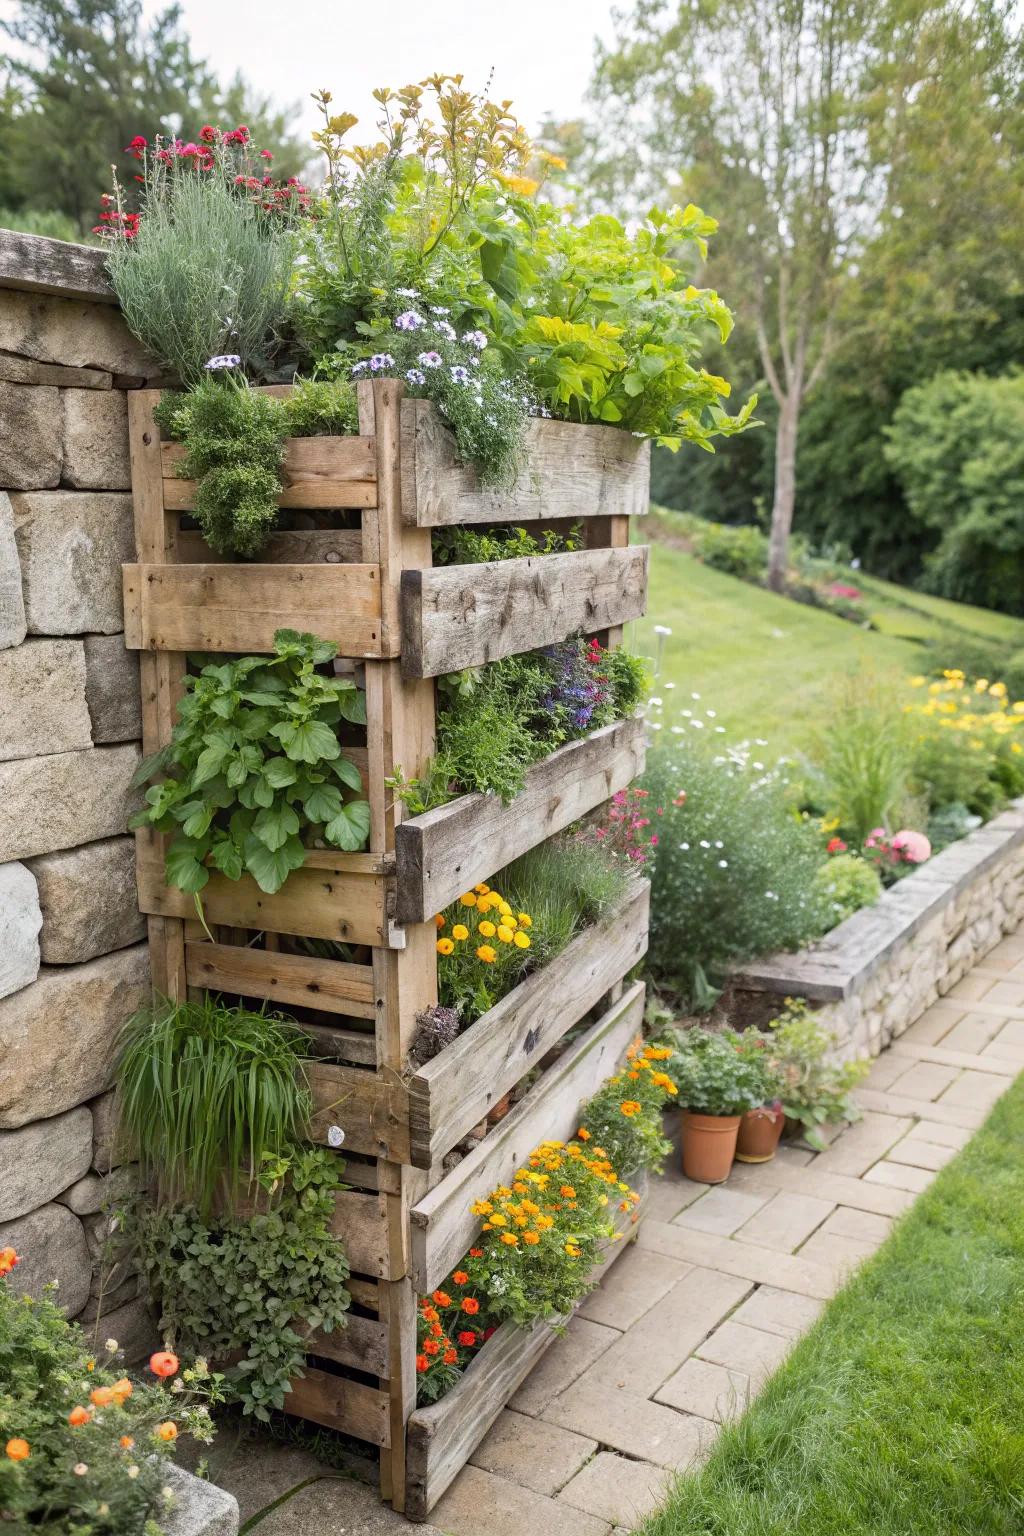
(437,309)
(416,376)
(409,321)
(444,329)
(358,367)
(460,375)
(430,359)
(475,339)
(223,360)
(381,360)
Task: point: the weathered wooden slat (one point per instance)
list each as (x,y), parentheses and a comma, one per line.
(370,1107)
(39,264)
(330,1041)
(330,985)
(448,850)
(319,473)
(568,471)
(442,1436)
(300,546)
(340,1403)
(453,1092)
(333,896)
(443,1226)
(361,1344)
(239,607)
(361,1221)
(456,616)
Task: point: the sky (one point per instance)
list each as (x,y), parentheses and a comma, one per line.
(542,60)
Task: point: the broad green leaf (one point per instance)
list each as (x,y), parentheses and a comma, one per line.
(182,867)
(309,741)
(227,858)
(348,773)
(275,825)
(350,828)
(322,802)
(209,762)
(279,772)
(271,868)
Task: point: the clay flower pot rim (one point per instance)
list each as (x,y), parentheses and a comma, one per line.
(711,1122)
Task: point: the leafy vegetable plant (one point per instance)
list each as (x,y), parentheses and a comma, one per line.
(253,764)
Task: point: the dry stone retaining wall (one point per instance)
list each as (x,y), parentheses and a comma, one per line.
(73,962)
(877,972)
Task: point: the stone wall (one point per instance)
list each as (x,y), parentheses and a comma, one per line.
(73,961)
(877,972)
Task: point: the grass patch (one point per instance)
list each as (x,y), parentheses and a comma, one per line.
(902,1412)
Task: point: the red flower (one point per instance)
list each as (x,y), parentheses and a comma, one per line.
(470,1305)
(466,1339)
(449,1357)
(430,1346)
(476,1253)
(208,134)
(265,154)
(835,845)
(422,1363)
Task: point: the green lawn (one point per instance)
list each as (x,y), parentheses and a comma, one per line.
(768,665)
(902,1412)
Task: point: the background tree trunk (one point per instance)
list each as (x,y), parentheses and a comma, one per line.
(785,490)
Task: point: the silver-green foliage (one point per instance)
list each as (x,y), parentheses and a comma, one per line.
(847,883)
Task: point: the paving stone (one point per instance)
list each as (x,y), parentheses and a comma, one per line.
(933,1025)
(885,1069)
(750,1350)
(20,922)
(627,1422)
(721,1210)
(666,1197)
(562,1363)
(924,1080)
(864,1143)
(1005,994)
(837,1187)
(42,699)
(649,1351)
(740,1260)
(974,1090)
(538,1455)
(636,1282)
(785,1222)
(479,1501)
(970,990)
(897,1176)
(922,1109)
(1007,1051)
(972,1033)
(794,1157)
(939,1135)
(612,1488)
(921,1154)
(782,1312)
(12,602)
(863,1226)
(708,1390)
(846,1253)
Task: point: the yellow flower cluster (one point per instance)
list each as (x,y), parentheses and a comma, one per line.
(506,926)
(552,1194)
(980,710)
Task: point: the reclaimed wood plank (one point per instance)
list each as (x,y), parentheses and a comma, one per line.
(298,546)
(454,1091)
(457,616)
(330,985)
(360,1220)
(340,1403)
(443,1226)
(38,264)
(238,608)
(568,471)
(329,1042)
(319,473)
(448,850)
(370,1107)
(361,1344)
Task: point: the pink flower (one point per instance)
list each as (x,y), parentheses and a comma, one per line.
(654,840)
(913,847)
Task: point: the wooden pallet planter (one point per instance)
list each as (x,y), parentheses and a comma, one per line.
(354,566)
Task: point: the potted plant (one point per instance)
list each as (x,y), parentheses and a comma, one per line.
(814,1090)
(717,1082)
(760,1127)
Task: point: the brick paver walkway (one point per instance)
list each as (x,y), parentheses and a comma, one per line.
(720,1283)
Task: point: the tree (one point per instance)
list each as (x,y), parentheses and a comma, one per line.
(87,76)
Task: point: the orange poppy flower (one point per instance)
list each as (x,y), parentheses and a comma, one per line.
(168,1430)
(18,1449)
(79,1415)
(163,1363)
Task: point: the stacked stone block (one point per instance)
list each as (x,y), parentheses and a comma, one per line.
(73,961)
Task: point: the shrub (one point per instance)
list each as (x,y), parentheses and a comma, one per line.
(845,884)
(968,741)
(713,1075)
(949,824)
(734,871)
(738,550)
(813,1089)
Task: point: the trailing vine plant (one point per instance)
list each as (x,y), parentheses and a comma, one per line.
(254,765)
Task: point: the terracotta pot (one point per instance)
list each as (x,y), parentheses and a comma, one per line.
(760,1130)
(709,1145)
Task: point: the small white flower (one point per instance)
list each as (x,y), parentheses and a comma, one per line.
(719,843)
(684,847)
(694,695)
(438,309)
(711,713)
(669,685)
(132,1472)
(723,864)
(698,725)
(111,1346)
(167,1494)
(704,843)
(80,1469)
(662,629)
(655,701)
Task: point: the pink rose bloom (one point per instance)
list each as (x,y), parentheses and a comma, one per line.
(913,847)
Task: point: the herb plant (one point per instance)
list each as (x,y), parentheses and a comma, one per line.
(813,1088)
(207,1094)
(260,1284)
(714,1075)
(254,763)
(471,546)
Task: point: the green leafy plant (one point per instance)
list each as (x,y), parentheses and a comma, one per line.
(254,763)
(864,756)
(259,1284)
(714,1075)
(234,439)
(624,1118)
(846,883)
(207,1094)
(469,546)
(104,1473)
(813,1088)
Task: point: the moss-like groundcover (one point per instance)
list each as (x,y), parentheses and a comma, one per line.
(901,1413)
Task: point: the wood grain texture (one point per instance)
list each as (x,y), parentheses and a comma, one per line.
(298,546)
(443,1226)
(320,473)
(340,1403)
(330,985)
(448,850)
(238,608)
(442,1436)
(38,264)
(371,1108)
(454,1091)
(360,1220)
(360,1344)
(456,616)
(333,896)
(568,471)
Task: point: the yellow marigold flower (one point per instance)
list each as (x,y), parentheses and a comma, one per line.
(445,946)
(439,920)
(525,920)
(630,1107)
(624,1186)
(481,1208)
(520,1188)
(572,1251)
(487,929)
(469,899)
(504,908)
(545,1222)
(481,889)
(499,1220)
(510,1238)
(531,1239)
(486,954)
(521,940)
(511,922)
(919,682)
(505,934)
(460,931)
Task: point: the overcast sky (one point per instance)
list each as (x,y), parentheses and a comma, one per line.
(541,50)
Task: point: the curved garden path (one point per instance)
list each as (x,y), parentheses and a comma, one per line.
(711,1298)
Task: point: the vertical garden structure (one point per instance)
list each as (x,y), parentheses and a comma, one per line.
(361,576)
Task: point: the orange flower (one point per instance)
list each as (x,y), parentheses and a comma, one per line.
(79,1415)
(486,954)
(422,1363)
(568,1191)
(431,1346)
(630,1107)
(460,1277)
(466,1339)
(163,1363)
(582,1134)
(121,1389)
(126,1442)
(442,1299)
(476,1253)
(168,1430)
(436,1331)
(429,1313)
(18,1449)
(531,1239)
(8,1259)
(510,1239)
(439,920)
(450,1356)
(101,1397)
(470,1305)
